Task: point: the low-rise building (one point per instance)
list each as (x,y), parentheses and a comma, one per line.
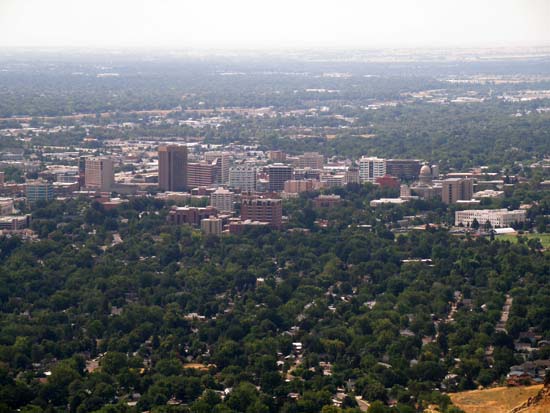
(13,223)
(327,201)
(6,206)
(497,217)
(190,215)
(39,190)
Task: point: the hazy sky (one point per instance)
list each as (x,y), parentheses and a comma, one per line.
(273,23)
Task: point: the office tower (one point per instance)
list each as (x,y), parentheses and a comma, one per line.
(39,190)
(371,168)
(456,189)
(212,226)
(82,170)
(311,160)
(225,163)
(407,169)
(173,168)
(278,174)
(242,177)
(263,210)
(222,199)
(99,174)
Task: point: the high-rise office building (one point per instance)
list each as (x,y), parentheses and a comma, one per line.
(242,177)
(99,173)
(173,167)
(278,174)
(371,168)
(263,210)
(456,189)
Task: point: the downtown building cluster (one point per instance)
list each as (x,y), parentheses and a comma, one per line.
(243,187)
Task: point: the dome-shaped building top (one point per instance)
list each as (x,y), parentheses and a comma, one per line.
(425,176)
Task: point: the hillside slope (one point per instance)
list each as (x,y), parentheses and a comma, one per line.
(496,400)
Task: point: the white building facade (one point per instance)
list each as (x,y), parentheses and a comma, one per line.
(371,168)
(222,199)
(499,218)
(243,177)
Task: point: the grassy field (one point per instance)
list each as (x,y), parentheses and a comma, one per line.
(497,400)
(544,238)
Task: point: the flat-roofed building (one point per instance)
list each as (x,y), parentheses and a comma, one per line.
(211,226)
(407,169)
(278,174)
(189,215)
(499,218)
(6,206)
(222,199)
(313,160)
(99,173)
(39,190)
(262,210)
(371,168)
(327,201)
(13,223)
(201,174)
(172,168)
(351,176)
(276,156)
(456,189)
(243,177)
(296,187)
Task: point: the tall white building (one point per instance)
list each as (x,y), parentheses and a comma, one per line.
(497,217)
(99,173)
(222,200)
(242,177)
(371,168)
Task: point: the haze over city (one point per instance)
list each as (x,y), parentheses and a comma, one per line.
(242,24)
